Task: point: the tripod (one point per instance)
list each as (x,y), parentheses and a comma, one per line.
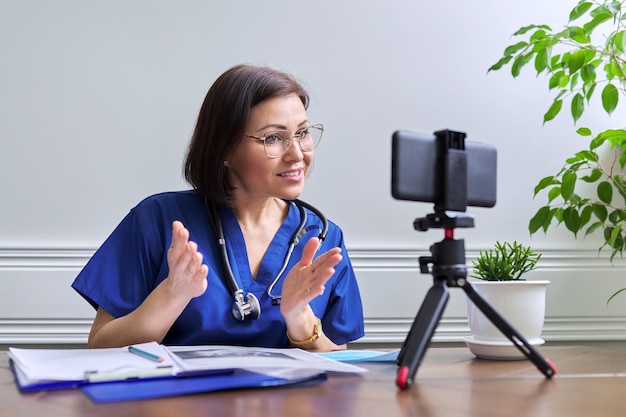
(449,270)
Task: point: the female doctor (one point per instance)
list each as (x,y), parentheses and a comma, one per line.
(234,261)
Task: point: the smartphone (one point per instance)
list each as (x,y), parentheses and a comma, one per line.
(419,171)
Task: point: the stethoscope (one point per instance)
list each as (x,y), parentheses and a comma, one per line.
(247,305)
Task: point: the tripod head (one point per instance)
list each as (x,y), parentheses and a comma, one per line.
(448,256)
(443,220)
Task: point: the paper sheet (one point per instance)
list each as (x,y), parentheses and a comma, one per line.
(257,359)
(77,364)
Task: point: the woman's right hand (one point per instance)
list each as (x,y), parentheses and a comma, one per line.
(187,275)
(153,318)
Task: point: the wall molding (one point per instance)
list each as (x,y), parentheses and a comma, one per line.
(386,331)
(44,331)
(40,308)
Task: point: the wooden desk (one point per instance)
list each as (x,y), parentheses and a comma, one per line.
(450,382)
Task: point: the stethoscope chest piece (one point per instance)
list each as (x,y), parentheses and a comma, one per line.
(250,307)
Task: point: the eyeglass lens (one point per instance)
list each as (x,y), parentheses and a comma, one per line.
(277,142)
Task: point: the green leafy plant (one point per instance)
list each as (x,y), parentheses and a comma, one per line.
(585,57)
(505,262)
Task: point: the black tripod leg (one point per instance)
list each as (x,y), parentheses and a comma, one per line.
(422,330)
(513,335)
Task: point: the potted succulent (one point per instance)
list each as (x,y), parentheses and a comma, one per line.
(584,63)
(499,278)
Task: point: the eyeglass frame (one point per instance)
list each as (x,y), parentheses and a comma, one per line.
(287,144)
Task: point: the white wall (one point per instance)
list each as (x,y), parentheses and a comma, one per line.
(98,101)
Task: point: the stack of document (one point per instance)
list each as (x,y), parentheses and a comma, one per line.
(151,370)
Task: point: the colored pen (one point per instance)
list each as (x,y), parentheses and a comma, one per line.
(144,354)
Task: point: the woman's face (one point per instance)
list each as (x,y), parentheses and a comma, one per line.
(257,176)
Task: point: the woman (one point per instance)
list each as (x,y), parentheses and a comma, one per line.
(161,275)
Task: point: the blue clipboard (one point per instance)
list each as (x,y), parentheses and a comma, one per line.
(144,389)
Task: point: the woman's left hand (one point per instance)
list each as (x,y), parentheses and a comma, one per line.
(306,279)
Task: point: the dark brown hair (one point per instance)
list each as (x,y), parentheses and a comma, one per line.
(223,118)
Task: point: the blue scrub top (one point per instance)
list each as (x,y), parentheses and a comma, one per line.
(133,261)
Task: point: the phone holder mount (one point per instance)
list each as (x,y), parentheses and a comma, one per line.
(447,265)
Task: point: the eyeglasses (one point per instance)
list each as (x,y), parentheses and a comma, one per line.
(277,142)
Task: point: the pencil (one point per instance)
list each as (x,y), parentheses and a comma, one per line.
(144,354)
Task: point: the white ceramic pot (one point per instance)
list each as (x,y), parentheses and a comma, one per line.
(521,303)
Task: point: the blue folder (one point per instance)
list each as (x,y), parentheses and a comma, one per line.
(50,385)
(192,382)
(145,389)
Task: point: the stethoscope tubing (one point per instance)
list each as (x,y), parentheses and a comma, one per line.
(229,277)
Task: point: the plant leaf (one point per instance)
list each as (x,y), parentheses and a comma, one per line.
(589,89)
(600,17)
(498,65)
(525,29)
(578,34)
(615,294)
(620,42)
(609,98)
(589,156)
(591,229)
(576,61)
(541,60)
(545,182)
(554,193)
(541,218)
(519,62)
(588,73)
(568,185)
(579,10)
(585,215)
(615,233)
(578,106)
(612,135)
(595,175)
(555,79)
(605,192)
(512,49)
(571,219)
(600,211)
(554,109)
